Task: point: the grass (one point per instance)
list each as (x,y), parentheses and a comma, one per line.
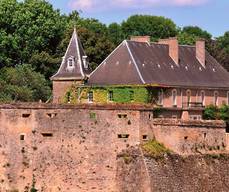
(155,149)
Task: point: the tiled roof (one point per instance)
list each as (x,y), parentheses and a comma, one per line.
(78,70)
(143,63)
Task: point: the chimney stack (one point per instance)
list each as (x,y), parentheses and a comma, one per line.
(173,48)
(143,39)
(200,51)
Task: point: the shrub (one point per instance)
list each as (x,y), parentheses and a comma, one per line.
(155,149)
(210,112)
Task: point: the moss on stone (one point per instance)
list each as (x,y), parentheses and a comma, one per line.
(155,149)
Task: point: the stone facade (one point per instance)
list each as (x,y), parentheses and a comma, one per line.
(74,148)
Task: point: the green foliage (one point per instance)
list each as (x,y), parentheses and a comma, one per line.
(121,94)
(115,33)
(33,189)
(210,112)
(155,149)
(197,31)
(213,113)
(22,83)
(189,34)
(154,26)
(224,112)
(28,28)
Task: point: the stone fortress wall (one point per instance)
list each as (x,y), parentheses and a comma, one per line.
(75,148)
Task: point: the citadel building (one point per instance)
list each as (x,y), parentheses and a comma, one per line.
(181,79)
(58,147)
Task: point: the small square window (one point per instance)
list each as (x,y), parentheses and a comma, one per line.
(145,137)
(22,137)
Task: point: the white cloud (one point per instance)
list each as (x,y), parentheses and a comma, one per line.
(89,5)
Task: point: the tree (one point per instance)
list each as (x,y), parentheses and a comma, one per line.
(219,49)
(190,34)
(197,31)
(22,83)
(28,28)
(154,26)
(115,33)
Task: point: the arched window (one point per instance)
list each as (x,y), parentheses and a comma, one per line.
(202,97)
(188,93)
(174,97)
(160,97)
(216,98)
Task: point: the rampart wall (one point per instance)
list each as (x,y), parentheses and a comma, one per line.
(75,148)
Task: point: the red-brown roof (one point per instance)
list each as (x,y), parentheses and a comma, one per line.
(143,63)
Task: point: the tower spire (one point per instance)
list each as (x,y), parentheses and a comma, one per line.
(74,66)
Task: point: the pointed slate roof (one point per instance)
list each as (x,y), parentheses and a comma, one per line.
(75,68)
(149,63)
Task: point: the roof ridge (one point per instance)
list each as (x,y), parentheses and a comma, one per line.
(106,58)
(136,66)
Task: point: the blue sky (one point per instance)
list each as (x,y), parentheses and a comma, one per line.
(211,15)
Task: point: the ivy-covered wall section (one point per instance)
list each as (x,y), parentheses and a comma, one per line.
(111,94)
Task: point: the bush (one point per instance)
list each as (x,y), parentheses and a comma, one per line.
(210,112)
(214,113)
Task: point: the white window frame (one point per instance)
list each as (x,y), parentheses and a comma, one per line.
(216,98)
(174,97)
(189,97)
(71,63)
(90,97)
(202,97)
(161,97)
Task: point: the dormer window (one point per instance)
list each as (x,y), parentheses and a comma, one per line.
(71,62)
(85,63)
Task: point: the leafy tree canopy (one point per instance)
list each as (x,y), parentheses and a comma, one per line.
(154,26)
(22,83)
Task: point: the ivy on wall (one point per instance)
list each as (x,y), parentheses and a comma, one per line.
(121,94)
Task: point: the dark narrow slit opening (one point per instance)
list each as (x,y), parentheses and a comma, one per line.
(25,115)
(47,134)
(123,136)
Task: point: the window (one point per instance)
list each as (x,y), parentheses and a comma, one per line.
(124,116)
(71,62)
(26,115)
(47,134)
(90,97)
(160,97)
(188,93)
(22,137)
(145,137)
(228,97)
(110,96)
(174,97)
(85,62)
(202,97)
(131,95)
(216,97)
(123,136)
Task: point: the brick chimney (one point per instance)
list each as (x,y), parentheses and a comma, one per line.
(173,48)
(200,51)
(144,39)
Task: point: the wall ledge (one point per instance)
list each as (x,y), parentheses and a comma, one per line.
(190,123)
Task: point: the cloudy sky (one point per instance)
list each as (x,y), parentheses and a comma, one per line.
(211,15)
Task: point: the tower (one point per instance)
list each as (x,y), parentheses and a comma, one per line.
(73,69)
